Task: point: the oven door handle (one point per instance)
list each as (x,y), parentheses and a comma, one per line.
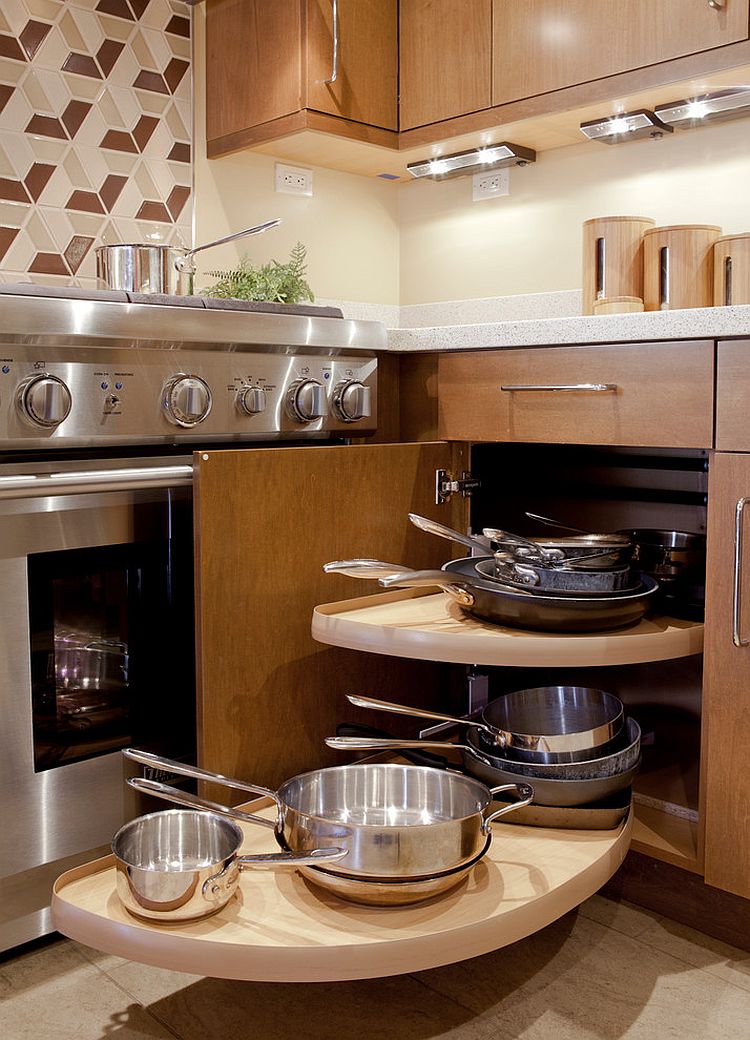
(134,478)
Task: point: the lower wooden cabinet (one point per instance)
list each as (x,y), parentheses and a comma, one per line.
(646,394)
(732,395)
(726,691)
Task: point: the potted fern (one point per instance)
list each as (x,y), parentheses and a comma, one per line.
(274,281)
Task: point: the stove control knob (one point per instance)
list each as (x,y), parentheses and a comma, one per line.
(186,400)
(251,400)
(45,400)
(352,400)
(306,400)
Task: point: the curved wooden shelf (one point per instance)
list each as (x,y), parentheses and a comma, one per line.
(432,627)
(278,928)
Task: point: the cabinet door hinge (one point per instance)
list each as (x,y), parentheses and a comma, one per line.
(446,485)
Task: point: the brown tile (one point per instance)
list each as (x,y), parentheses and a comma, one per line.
(178,196)
(46,126)
(32,36)
(143,130)
(81,65)
(108,54)
(151,81)
(179,26)
(13,191)
(139,7)
(118,8)
(118,141)
(87,201)
(154,211)
(74,115)
(7,234)
(110,190)
(37,177)
(180,152)
(5,93)
(9,48)
(48,263)
(76,250)
(174,72)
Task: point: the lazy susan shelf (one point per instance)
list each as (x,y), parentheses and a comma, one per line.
(278,928)
(432,627)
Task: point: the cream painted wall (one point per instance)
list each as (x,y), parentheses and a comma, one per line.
(350,225)
(530,241)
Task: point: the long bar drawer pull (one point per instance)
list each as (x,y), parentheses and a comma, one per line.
(737,591)
(561,388)
(134,478)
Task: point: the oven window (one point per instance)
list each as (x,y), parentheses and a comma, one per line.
(105,623)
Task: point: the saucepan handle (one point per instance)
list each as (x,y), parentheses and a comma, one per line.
(419,579)
(292,859)
(526,796)
(194,801)
(147,758)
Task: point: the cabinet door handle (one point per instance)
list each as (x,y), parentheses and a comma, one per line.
(737,591)
(335,63)
(718,4)
(561,388)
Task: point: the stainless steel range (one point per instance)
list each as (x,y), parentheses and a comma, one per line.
(103,397)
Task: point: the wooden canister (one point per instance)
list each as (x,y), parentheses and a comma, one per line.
(618,305)
(613,258)
(678,266)
(732,270)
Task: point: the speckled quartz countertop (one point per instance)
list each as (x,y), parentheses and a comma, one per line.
(704,323)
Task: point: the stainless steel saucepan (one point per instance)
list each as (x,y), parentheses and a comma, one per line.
(395,821)
(144,267)
(179,865)
(546,724)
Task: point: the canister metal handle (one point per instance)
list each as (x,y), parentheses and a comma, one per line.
(664,278)
(728,281)
(601,260)
(737,589)
(595,388)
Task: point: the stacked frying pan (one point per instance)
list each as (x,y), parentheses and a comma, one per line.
(583,583)
(571,743)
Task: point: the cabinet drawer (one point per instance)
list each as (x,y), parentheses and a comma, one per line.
(657,394)
(733,396)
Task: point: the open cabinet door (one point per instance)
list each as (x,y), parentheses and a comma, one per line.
(266,521)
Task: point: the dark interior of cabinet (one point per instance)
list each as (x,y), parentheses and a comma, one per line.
(606,489)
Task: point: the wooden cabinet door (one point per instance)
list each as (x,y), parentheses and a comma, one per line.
(726,684)
(266,521)
(649,394)
(445,59)
(253,63)
(544,45)
(366,86)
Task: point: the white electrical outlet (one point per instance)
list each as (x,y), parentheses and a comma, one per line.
(293,180)
(490,185)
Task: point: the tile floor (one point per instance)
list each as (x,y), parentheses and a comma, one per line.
(606,971)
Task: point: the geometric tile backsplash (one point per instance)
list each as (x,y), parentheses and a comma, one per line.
(95,132)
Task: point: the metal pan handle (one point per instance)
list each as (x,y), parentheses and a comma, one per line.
(388,744)
(373,569)
(422,579)
(292,859)
(194,801)
(525,793)
(433,527)
(147,758)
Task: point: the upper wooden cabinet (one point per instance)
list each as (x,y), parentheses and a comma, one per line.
(646,394)
(445,59)
(269,67)
(545,45)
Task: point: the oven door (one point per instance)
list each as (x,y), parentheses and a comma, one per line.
(96,646)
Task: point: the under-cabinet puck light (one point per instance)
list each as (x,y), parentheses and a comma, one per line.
(488,157)
(625,126)
(706,108)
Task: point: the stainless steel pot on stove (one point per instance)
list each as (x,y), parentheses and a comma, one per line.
(179,865)
(144,267)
